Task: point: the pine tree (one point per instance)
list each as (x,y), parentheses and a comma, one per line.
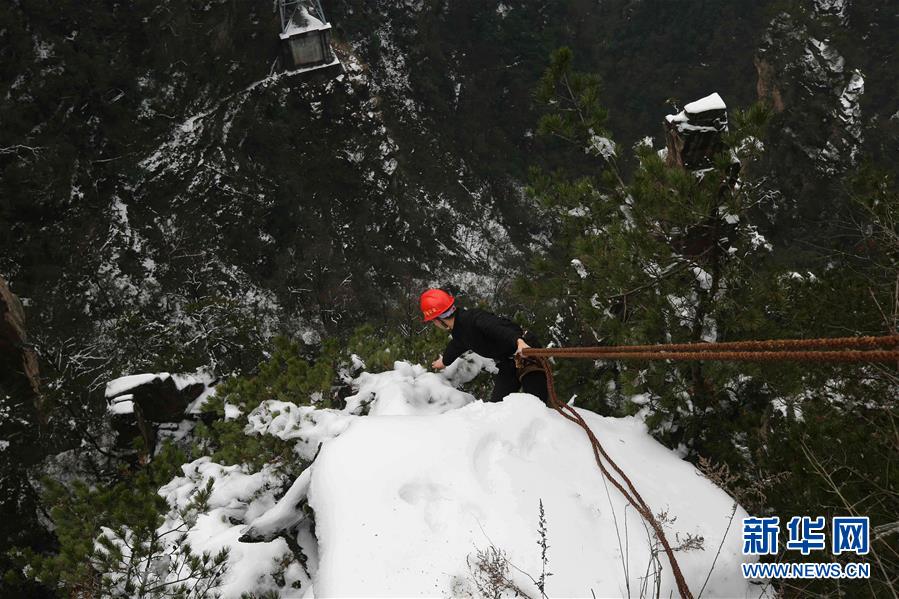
(661,255)
(653,253)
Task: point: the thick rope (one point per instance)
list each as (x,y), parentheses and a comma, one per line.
(733,356)
(631,494)
(764,345)
(842,349)
(748,351)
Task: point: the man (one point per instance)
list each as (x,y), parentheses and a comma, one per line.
(487,335)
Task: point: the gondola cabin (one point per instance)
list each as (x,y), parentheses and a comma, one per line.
(305,34)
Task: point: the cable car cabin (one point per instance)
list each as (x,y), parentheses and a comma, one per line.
(305,34)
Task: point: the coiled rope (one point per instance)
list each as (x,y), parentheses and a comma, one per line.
(840,349)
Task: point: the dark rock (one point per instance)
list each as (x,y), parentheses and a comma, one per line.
(18,362)
(141,409)
(767,86)
(694,136)
(161,399)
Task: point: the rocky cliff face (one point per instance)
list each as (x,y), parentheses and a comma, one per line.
(175,198)
(18,362)
(824,69)
(23,423)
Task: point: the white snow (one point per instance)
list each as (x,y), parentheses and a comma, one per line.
(284,515)
(646,142)
(406,390)
(807,277)
(183,380)
(849,111)
(703,277)
(126,383)
(357,362)
(4,444)
(833,59)
(758,241)
(308,425)
(232,412)
(711,102)
(306,22)
(601,146)
(579,268)
(236,495)
(123,404)
(833,7)
(120,385)
(196,406)
(414,476)
(749,144)
(417,495)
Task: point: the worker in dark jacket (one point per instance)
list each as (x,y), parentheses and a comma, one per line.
(487,335)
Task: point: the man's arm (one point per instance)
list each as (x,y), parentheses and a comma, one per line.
(453,350)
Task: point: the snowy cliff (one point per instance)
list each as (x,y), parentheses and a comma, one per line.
(429,487)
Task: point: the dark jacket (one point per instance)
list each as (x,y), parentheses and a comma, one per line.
(484,333)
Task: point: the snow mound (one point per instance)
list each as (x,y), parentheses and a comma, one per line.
(415,477)
(237,495)
(401,502)
(711,102)
(406,390)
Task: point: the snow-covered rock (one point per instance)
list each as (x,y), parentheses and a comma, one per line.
(416,496)
(163,397)
(415,477)
(236,496)
(429,477)
(693,135)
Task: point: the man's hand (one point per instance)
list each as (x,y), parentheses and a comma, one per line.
(438,364)
(521,345)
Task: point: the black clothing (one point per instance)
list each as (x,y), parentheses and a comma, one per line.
(483,333)
(505,381)
(535,383)
(494,337)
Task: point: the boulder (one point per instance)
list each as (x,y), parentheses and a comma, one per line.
(143,404)
(694,135)
(159,397)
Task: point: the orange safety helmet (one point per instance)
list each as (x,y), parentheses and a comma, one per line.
(435,302)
